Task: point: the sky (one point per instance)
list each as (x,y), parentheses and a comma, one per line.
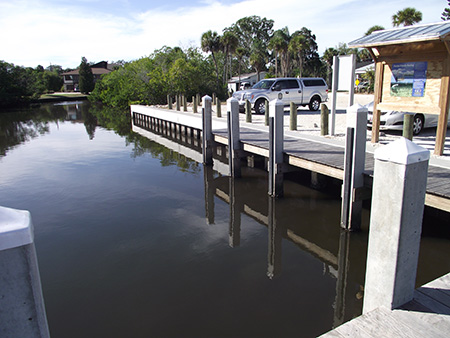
(61,32)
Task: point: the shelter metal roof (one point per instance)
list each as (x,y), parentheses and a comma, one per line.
(416,33)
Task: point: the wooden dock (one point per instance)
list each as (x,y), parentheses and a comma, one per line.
(427,315)
(323,157)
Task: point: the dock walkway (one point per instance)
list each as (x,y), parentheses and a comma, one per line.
(427,315)
(323,155)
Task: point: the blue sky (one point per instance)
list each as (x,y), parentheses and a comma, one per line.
(61,32)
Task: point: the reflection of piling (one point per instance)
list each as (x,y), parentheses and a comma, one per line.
(355,154)
(276,140)
(207,141)
(208,177)
(276,233)
(22,303)
(235,216)
(234,144)
(395,224)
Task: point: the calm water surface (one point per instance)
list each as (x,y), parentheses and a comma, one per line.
(136,240)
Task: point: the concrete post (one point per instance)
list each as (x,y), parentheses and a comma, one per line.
(354,167)
(207,139)
(276,147)
(408,125)
(324,114)
(248,111)
(334,93)
(293,116)
(234,144)
(398,197)
(21,302)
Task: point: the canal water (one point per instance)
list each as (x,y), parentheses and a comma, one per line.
(136,240)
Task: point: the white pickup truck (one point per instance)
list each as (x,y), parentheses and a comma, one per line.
(301,91)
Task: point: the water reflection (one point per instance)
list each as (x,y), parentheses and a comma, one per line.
(307,218)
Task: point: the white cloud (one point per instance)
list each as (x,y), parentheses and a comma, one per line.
(37,32)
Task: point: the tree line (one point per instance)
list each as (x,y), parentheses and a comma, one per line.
(248,45)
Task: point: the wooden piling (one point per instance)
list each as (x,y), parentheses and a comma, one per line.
(408,125)
(248,111)
(218,108)
(293,116)
(324,114)
(169,101)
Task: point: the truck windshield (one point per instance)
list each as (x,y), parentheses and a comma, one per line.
(264,84)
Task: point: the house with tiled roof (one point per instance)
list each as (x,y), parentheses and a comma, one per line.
(71,79)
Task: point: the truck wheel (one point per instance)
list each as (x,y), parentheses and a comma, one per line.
(260,106)
(314,104)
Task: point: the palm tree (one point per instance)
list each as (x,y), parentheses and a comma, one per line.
(373,29)
(240,53)
(211,44)
(406,17)
(279,43)
(297,45)
(229,42)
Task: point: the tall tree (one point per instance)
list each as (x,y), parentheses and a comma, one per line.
(446,13)
(279,43)
(303,45)
(406,17)
(211,43)
(229,43)
(240,53)
(374,29)
(86,80)
(258,57)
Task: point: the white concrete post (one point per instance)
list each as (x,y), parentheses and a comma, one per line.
(334,93)
(234,143)
(354,167)
(351,93)
(207,139)
(398,197)
(276,148)
(22,310)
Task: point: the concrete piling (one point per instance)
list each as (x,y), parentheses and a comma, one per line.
(207,140)
(355,155)
(276,139)
(234,144)
(398,197)
(21,300)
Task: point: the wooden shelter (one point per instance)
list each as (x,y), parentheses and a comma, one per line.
(412,73)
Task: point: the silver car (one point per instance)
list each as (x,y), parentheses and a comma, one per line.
(393,120)
(302,91)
